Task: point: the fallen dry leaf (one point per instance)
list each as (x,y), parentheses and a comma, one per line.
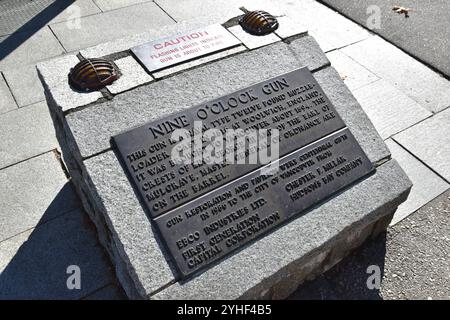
(402,10)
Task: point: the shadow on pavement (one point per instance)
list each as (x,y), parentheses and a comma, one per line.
(38,270)
(348,279)
(27,30)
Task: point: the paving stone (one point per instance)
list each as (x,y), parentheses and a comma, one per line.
(330,29)
(430,142)
(143,104)
(425,34)
(33,191)
(76,9)
(18,16)
(408,75)
(93,31)
(197,62)
(128,42)
(25,85)
(389,109)
(354,75)
(7,102)
(236,278)
(289,27)
(107,5)
(110,292)
(352,114)
(54,74)
(28,47)
(37,268)
(26,132)
(251,41)
(426,184)
(217,11)
(133,75)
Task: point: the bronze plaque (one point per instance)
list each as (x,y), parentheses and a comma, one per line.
(195,204)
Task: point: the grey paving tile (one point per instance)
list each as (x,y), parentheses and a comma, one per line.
(32,192)
(133,75)
(404,72)
(7,102)
(430,142)
(28,47)
(26,15)
(110,292)
(107,5)
(34,264)
(76,9)
(388,108)
(330,29)
(120,23)
(425,35)
(354,75)
(150,34)
(251,41)
(217,11)
(26,132)
(25,85)
(426,184)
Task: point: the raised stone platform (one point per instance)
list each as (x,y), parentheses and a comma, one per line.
(271,267)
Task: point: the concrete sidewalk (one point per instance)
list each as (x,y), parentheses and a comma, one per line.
(407,102)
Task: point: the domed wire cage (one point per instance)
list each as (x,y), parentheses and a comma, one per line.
(258,22)
(92,74)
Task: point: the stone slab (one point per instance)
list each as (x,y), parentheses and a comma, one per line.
(355,76)
(236,278)
(330,29)
(28,47)
(289,27)
(216,11)
(120,25)
(430,142)
(7,102)
(408,75)
(26,132)
(129,226)
(133,75)
(33,192)
(106,5)
(425,34)
(389,109)
(37,268)
(54,75)
(169,95)
(251,41)
(25,85)
(427,185)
